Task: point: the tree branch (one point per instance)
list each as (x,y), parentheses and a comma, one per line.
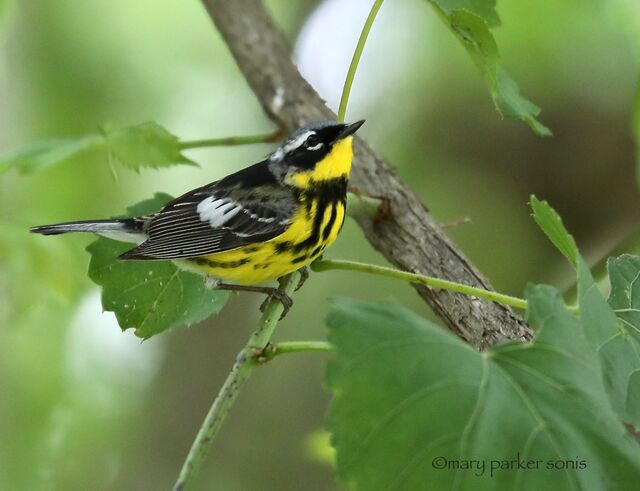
(406,235)
(239,373)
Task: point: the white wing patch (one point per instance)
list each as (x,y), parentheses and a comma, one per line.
(217,211)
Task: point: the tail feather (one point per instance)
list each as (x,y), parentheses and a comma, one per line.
(127,230)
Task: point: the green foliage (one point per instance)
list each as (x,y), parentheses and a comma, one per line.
(617,343)
(470,21)
(411,399)
(622,348)
(551,224)
(624,272)
(483,8)
(149,296)
(143,145)
(43,154)
(409,394)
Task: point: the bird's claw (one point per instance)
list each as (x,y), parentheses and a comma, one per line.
(284,299)
(304,276)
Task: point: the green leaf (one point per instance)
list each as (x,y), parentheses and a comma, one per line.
(409,397)
(43,154)
(551,224)
(482,8)
(148,206)
(145,145)
(617,346)
(470,21)
(624,274)
(149,296)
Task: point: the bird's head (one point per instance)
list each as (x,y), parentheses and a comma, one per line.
(316,152)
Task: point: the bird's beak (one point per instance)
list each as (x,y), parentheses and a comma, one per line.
(350,129)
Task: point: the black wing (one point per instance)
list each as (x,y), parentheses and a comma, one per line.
(245,207)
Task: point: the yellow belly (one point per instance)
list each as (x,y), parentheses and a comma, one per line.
(260,262)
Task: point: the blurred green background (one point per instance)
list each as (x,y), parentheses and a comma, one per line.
(84,406)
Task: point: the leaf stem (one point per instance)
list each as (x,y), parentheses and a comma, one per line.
(226,397)
(232,140)
(353,67)
(326,264)
(299,346)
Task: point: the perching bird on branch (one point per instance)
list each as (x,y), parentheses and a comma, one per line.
(253,226)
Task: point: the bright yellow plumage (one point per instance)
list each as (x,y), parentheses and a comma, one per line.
(264,261)
(258,224)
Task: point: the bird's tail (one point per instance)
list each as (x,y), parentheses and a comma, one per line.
(126,230)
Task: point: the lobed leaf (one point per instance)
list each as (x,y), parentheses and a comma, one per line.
(413,403)
(149,296)
(145,145)
(470,21)
(617,345)
(624,345)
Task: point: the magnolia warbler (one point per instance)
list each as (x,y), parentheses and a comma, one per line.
(256,225)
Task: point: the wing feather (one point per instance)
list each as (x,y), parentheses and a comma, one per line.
(246,207)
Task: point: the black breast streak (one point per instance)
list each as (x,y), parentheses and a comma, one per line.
(308,206)
(330,223)
(326,194)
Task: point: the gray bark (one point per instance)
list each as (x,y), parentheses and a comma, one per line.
(406,234)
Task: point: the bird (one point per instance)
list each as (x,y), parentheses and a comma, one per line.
(253,226)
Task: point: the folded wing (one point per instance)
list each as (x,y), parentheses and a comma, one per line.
(216,218)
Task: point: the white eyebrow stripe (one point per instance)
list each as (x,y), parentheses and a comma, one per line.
(299,140)
(292,145)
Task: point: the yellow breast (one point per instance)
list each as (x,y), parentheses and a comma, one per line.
(298,246)
(315,225)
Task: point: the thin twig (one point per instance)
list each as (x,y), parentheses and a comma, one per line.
(233,140)
(301,346)
(455,223)
(226,397)
(501,298)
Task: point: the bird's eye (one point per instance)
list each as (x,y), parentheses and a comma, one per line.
(313,142)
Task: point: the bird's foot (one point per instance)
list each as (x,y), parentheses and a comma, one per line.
(284,299)
(304,276)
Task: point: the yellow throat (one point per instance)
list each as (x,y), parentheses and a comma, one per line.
(336,164)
